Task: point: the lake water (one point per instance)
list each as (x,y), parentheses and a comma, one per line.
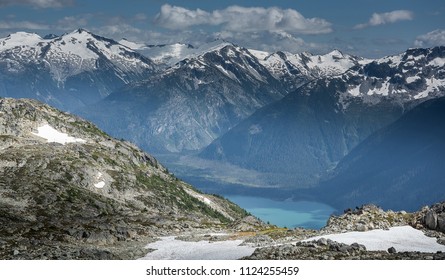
(288,214)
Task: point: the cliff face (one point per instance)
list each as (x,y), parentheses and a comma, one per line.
(68,190)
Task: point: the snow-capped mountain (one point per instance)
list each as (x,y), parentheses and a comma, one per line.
(68,71)
(296,69)
(164,54)
(300,139)
(417,74)
(191,103)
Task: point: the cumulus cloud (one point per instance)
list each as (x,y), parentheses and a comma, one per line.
(431,39)
(385,18)
(38,3)
(242,19)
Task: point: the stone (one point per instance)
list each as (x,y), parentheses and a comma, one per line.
(392,250)
(322,242)
(362,227)
(441,222)
(431,219)
(16,252)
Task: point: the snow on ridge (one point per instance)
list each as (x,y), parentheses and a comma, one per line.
(260,55)
(403,239)
(53,136)
(133,45)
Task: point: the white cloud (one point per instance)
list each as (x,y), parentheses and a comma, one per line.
(22,25)
(385,18)
(38,3)
(431,39)
(242,19)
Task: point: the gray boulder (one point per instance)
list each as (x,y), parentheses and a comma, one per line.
(431,219)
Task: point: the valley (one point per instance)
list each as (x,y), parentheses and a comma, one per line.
(167,132)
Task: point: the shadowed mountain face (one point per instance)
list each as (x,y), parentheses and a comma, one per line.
(300,139)
(398,167)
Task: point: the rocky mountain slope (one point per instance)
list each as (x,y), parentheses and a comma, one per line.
(67,71)
(68,190)
(190,104)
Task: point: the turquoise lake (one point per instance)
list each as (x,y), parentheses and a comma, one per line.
(290,214)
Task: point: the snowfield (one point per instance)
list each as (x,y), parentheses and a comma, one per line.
(52,135)
(403,239)
(168,248)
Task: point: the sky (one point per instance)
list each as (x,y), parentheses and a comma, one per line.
(367,28)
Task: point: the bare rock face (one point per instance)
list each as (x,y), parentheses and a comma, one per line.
(431,219)
(434,217)
(78,199)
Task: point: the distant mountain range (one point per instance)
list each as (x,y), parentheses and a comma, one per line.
(300,139)
(292,118)
(68,71)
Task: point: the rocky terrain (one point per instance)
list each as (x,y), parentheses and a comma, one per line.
(69,191)
(290,244)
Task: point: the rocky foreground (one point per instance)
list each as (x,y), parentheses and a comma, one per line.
(69,191)
(369,217)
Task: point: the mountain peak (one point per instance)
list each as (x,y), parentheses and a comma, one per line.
(19,39)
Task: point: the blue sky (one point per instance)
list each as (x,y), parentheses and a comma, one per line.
(369,28)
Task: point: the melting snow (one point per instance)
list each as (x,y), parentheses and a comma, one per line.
(403,239)
(168,248)
(52,135)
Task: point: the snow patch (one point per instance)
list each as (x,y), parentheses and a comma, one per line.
(410,80)
(52,135)
(437,62)
(432,85)
(168,248)
(355,91)
(260,55)
(100,185)
(403,239)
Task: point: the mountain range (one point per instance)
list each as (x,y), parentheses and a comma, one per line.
(68,71)
(287,121)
